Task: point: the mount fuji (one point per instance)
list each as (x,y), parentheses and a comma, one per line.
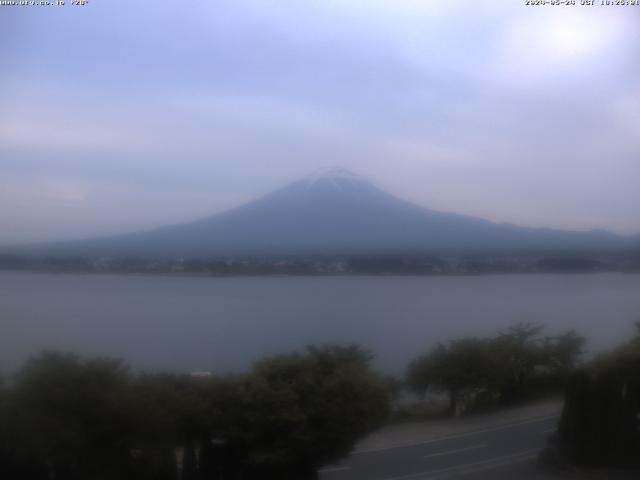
(336,212)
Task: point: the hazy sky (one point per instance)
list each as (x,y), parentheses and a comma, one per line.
(122,115)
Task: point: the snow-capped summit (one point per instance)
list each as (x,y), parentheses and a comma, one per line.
(336,175)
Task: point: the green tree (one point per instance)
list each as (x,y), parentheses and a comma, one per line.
(499,367)
(463,368)
(301,411)
(73,417)
(69,418)
(519,352)
(600,420)
(561,354)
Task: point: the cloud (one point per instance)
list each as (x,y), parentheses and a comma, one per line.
(558,47)
(491,108)
(627,110)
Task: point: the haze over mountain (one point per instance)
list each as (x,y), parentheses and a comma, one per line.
(335,213)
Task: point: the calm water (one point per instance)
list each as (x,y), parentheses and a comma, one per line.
(222,324)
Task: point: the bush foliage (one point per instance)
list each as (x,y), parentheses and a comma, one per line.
(64,417)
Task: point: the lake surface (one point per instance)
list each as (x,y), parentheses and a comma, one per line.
(223,324)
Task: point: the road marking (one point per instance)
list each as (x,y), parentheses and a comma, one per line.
(333,469)
(451,452)
(471,467)
(500,461)
(457,435)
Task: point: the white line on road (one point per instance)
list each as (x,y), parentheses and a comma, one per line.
(471,467)
(491,466)
(458,450)
(457,435)
(333,469)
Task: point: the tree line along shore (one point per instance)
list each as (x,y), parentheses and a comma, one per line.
(331,265)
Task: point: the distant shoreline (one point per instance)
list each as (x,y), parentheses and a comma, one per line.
(309,275)
(370,265)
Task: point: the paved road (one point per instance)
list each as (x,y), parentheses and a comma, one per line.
(501,451)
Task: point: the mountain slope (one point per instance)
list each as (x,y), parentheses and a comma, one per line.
(337,213)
